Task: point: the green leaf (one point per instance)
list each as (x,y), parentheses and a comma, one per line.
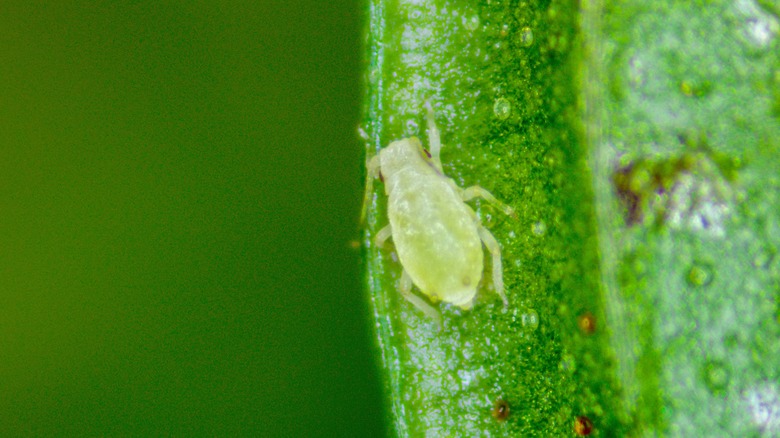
(639,143)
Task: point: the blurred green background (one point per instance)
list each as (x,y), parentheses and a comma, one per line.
(179,184)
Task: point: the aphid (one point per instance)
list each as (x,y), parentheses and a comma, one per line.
(437,236)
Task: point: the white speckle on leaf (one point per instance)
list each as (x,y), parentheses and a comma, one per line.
(761,27)
(763,405)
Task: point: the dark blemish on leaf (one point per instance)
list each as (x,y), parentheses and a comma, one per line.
(685,188)
(630,198)
(587,323)
(583,426)
(501,410)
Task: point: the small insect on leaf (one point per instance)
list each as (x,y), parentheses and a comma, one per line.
(437,236)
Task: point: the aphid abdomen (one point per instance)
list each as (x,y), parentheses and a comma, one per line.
(436,238)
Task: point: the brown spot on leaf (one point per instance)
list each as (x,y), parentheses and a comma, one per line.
(690,190)
(583,426)
(587,323)
(501,410)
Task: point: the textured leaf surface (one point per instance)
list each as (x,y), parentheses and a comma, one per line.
(639,146)
(685,152)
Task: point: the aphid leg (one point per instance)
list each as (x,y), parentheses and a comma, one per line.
(478,192)
(434,138)
(405,288)
(372,172)
(492,246)
(382,236)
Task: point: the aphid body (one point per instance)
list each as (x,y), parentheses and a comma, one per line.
(437,236)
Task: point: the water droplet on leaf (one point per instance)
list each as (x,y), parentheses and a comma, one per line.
(502,108)
(762,257)
(699,275)
(471,23)
(530,320)
(716,376)
(526,37)
(411,127)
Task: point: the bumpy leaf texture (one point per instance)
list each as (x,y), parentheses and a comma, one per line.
(639,143)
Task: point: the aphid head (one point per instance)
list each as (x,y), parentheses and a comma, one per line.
(403,153)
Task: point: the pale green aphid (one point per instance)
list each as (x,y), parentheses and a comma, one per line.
(437,236)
